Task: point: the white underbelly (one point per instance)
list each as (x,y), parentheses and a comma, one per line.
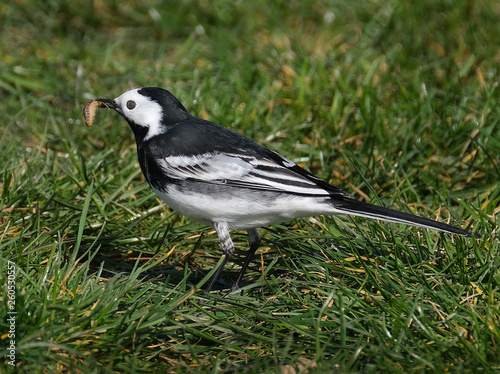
(242,212)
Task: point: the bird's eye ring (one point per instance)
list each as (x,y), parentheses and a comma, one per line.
(131,104)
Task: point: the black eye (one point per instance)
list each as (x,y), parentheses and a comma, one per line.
(131,104)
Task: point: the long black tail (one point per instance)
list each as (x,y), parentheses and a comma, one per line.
(362,209)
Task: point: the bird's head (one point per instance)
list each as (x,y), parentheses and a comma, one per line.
(149,110)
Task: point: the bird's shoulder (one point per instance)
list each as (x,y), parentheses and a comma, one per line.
(195,136)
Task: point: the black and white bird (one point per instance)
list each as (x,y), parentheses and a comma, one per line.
(225,180)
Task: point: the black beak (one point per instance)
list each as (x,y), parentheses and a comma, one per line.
(108,103)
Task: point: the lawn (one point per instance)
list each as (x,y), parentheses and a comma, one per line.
(396,102)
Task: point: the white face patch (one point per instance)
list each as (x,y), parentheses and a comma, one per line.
(141,110)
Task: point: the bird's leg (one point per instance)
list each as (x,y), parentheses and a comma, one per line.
(227,245)
(254,242)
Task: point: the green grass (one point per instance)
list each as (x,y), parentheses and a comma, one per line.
(395,102)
